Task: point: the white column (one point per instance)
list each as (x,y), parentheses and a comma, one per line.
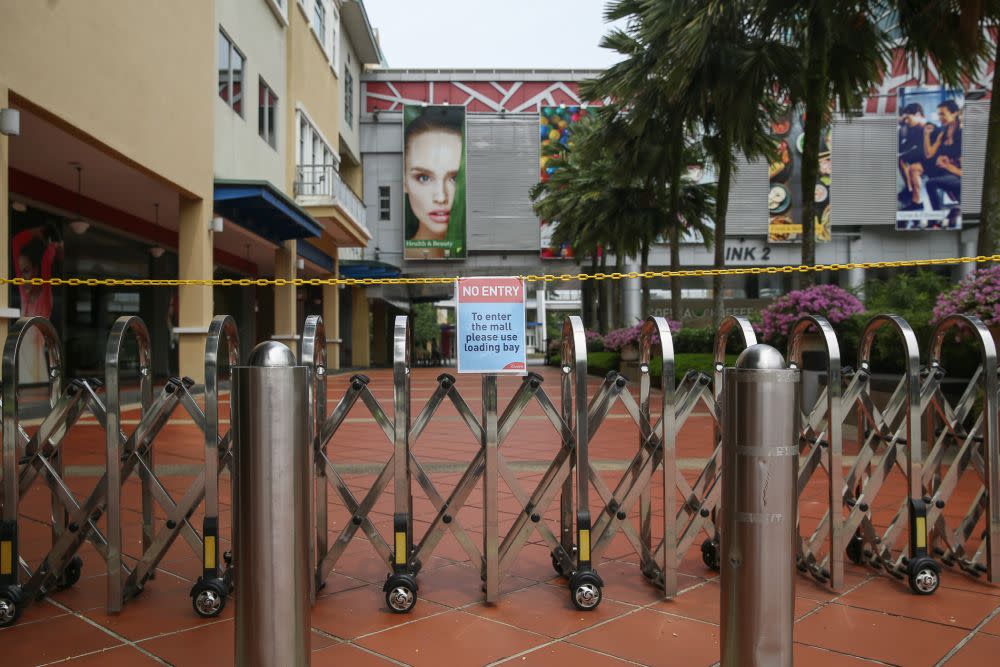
(543,335)
(967,248)
(856,282)
(633,295)
(855,277)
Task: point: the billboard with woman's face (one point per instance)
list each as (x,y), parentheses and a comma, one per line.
(434,182)
(929,159)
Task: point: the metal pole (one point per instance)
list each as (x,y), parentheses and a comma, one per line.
(760,460)
(114,454)
(491,494)
(272,533)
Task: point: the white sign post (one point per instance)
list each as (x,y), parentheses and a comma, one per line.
(491,325)
(491,339)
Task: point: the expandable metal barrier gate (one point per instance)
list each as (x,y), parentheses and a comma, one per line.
(39,457)
(962,442)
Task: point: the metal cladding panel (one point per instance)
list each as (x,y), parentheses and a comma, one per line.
(747,212)
(863,187)
(502,166)
(387,235)
(974,130)
(384,136)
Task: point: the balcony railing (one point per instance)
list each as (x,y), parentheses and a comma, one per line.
(322,180)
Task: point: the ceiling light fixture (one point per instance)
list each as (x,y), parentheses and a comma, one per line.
(156,251)
(79,225)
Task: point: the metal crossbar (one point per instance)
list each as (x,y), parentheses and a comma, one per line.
(965,449)
(75,520)
(938,444)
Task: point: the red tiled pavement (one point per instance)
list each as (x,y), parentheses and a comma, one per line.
(533,623)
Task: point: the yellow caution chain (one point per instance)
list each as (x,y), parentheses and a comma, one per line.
(444,280)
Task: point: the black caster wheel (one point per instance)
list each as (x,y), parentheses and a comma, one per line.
(556,565)
(10,605)
(208,597)
(924,576)
(400,593)
(70,574)
(710,555)
(855,550)
(585,590)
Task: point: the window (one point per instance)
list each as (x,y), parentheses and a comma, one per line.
(334,37)
(319,19)
(384,202)
(303,137)
(231,62)
(324,16)
(317,163)
(267,110)
(348,96)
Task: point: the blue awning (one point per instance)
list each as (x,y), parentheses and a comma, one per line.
(264,210)
(367,269)
(313,254)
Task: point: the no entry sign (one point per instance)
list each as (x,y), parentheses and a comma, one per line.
(491,325)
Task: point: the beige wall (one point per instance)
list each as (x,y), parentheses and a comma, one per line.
(311,84)
(138,76)
(350,134)
(259,33)
(353,175)
(136,79)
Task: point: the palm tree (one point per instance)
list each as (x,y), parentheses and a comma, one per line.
(644,161)
(959,37)
(840,50)
(649,136)
(723,66)
(594,212)
(606,202)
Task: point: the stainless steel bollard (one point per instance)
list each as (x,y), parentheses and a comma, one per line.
(760,469)
(272,517)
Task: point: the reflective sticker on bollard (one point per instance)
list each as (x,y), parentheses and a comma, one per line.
(768,451)
(6,557)
(209,552)
(758,517)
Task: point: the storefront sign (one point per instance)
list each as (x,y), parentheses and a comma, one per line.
(929,159)
(491,332)
(434,182)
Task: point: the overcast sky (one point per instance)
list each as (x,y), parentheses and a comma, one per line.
(490,34)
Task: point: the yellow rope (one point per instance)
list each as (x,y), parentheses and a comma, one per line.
(548,278)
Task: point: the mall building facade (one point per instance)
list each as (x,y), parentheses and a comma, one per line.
(502,164)
(193,140)
(263,138)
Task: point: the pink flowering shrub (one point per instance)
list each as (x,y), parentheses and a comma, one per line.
(619,338)
(595,341)
(829,301)
(977,294)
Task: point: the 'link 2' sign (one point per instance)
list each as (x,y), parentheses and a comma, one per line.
(491,325)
